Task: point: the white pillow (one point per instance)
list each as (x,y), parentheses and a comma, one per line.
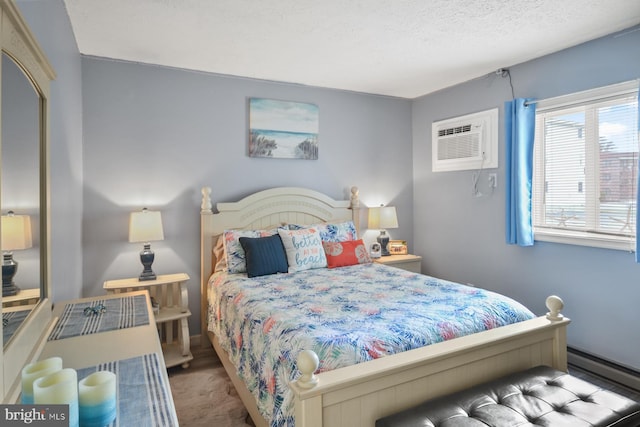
(304,249)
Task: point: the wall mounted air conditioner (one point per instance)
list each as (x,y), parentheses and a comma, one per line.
(465,142)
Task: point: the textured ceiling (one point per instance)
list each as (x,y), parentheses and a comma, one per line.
(403,48)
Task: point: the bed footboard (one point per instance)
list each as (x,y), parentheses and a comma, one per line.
(357,395)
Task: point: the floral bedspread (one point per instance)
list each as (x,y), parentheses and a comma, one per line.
(346,315)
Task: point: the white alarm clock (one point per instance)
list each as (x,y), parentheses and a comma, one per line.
(376,250)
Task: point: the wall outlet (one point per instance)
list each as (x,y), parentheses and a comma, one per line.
(493,180)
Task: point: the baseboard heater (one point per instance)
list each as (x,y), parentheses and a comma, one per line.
(606,369)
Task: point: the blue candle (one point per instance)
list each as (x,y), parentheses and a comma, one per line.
(97,399)
(59,388)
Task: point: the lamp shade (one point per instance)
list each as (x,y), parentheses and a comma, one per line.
(16,232)
(383,217)
(145,226)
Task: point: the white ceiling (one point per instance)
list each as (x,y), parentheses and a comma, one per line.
(403,48)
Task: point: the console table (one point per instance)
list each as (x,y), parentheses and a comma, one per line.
(130,341)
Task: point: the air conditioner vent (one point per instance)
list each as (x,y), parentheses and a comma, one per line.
(462,146)
(451,131)
(466,142)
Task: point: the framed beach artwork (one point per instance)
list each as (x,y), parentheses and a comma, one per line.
(283,129)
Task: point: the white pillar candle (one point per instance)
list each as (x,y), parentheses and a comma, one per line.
(59,388)
(97,399)
(36,370)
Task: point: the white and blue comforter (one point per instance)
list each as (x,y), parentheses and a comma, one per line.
(346,315)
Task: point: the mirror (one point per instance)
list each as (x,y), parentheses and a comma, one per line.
(25,76)
(20,169)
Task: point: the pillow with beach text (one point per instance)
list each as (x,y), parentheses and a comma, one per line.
(304,249)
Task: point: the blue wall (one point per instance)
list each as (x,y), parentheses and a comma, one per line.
(154,136)
(49,22)
(462,237)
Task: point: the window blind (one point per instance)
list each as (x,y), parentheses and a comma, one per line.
(586,165)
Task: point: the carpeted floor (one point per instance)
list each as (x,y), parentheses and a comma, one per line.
(203,394)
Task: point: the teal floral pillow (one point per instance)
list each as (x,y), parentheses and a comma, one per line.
(332,232)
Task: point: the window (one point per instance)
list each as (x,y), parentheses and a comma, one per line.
(586,168)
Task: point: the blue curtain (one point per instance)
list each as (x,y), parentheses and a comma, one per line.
(520,121)
(638,191)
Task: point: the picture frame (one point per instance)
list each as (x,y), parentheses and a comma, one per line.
(283,129)
(398,247)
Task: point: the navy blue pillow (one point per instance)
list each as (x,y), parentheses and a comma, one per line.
(264,255)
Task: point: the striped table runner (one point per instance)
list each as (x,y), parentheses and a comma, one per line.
(11,321)
(120,313)
(143,395)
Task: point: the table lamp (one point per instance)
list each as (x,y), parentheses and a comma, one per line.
(382,218)
(146,226)
(16,235)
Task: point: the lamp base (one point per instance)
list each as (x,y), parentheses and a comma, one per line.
(10,290)
(383,239)
(146,258)
(147,275)
(9,269)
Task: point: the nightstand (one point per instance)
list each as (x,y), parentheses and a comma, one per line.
(406,262)
(172,316)
(23,297)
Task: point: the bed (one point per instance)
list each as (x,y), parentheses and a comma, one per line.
(374,382)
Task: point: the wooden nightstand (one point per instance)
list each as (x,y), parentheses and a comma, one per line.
(170,292)
(406,262)
(23,297)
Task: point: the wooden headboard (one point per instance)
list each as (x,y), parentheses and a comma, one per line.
(263,210)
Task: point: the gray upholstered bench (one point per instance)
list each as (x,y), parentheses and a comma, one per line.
(540,396)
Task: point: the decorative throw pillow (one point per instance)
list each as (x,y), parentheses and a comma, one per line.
(219,255)
(332,232)
(341,254)
(264,255)
(233,250)
(304,249)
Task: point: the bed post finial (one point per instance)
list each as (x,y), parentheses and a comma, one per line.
(554,304)
(308,363)
(355,197)
(206,199)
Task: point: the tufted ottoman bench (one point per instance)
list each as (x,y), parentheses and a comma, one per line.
(539,396)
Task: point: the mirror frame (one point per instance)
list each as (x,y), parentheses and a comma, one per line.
(17,41)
